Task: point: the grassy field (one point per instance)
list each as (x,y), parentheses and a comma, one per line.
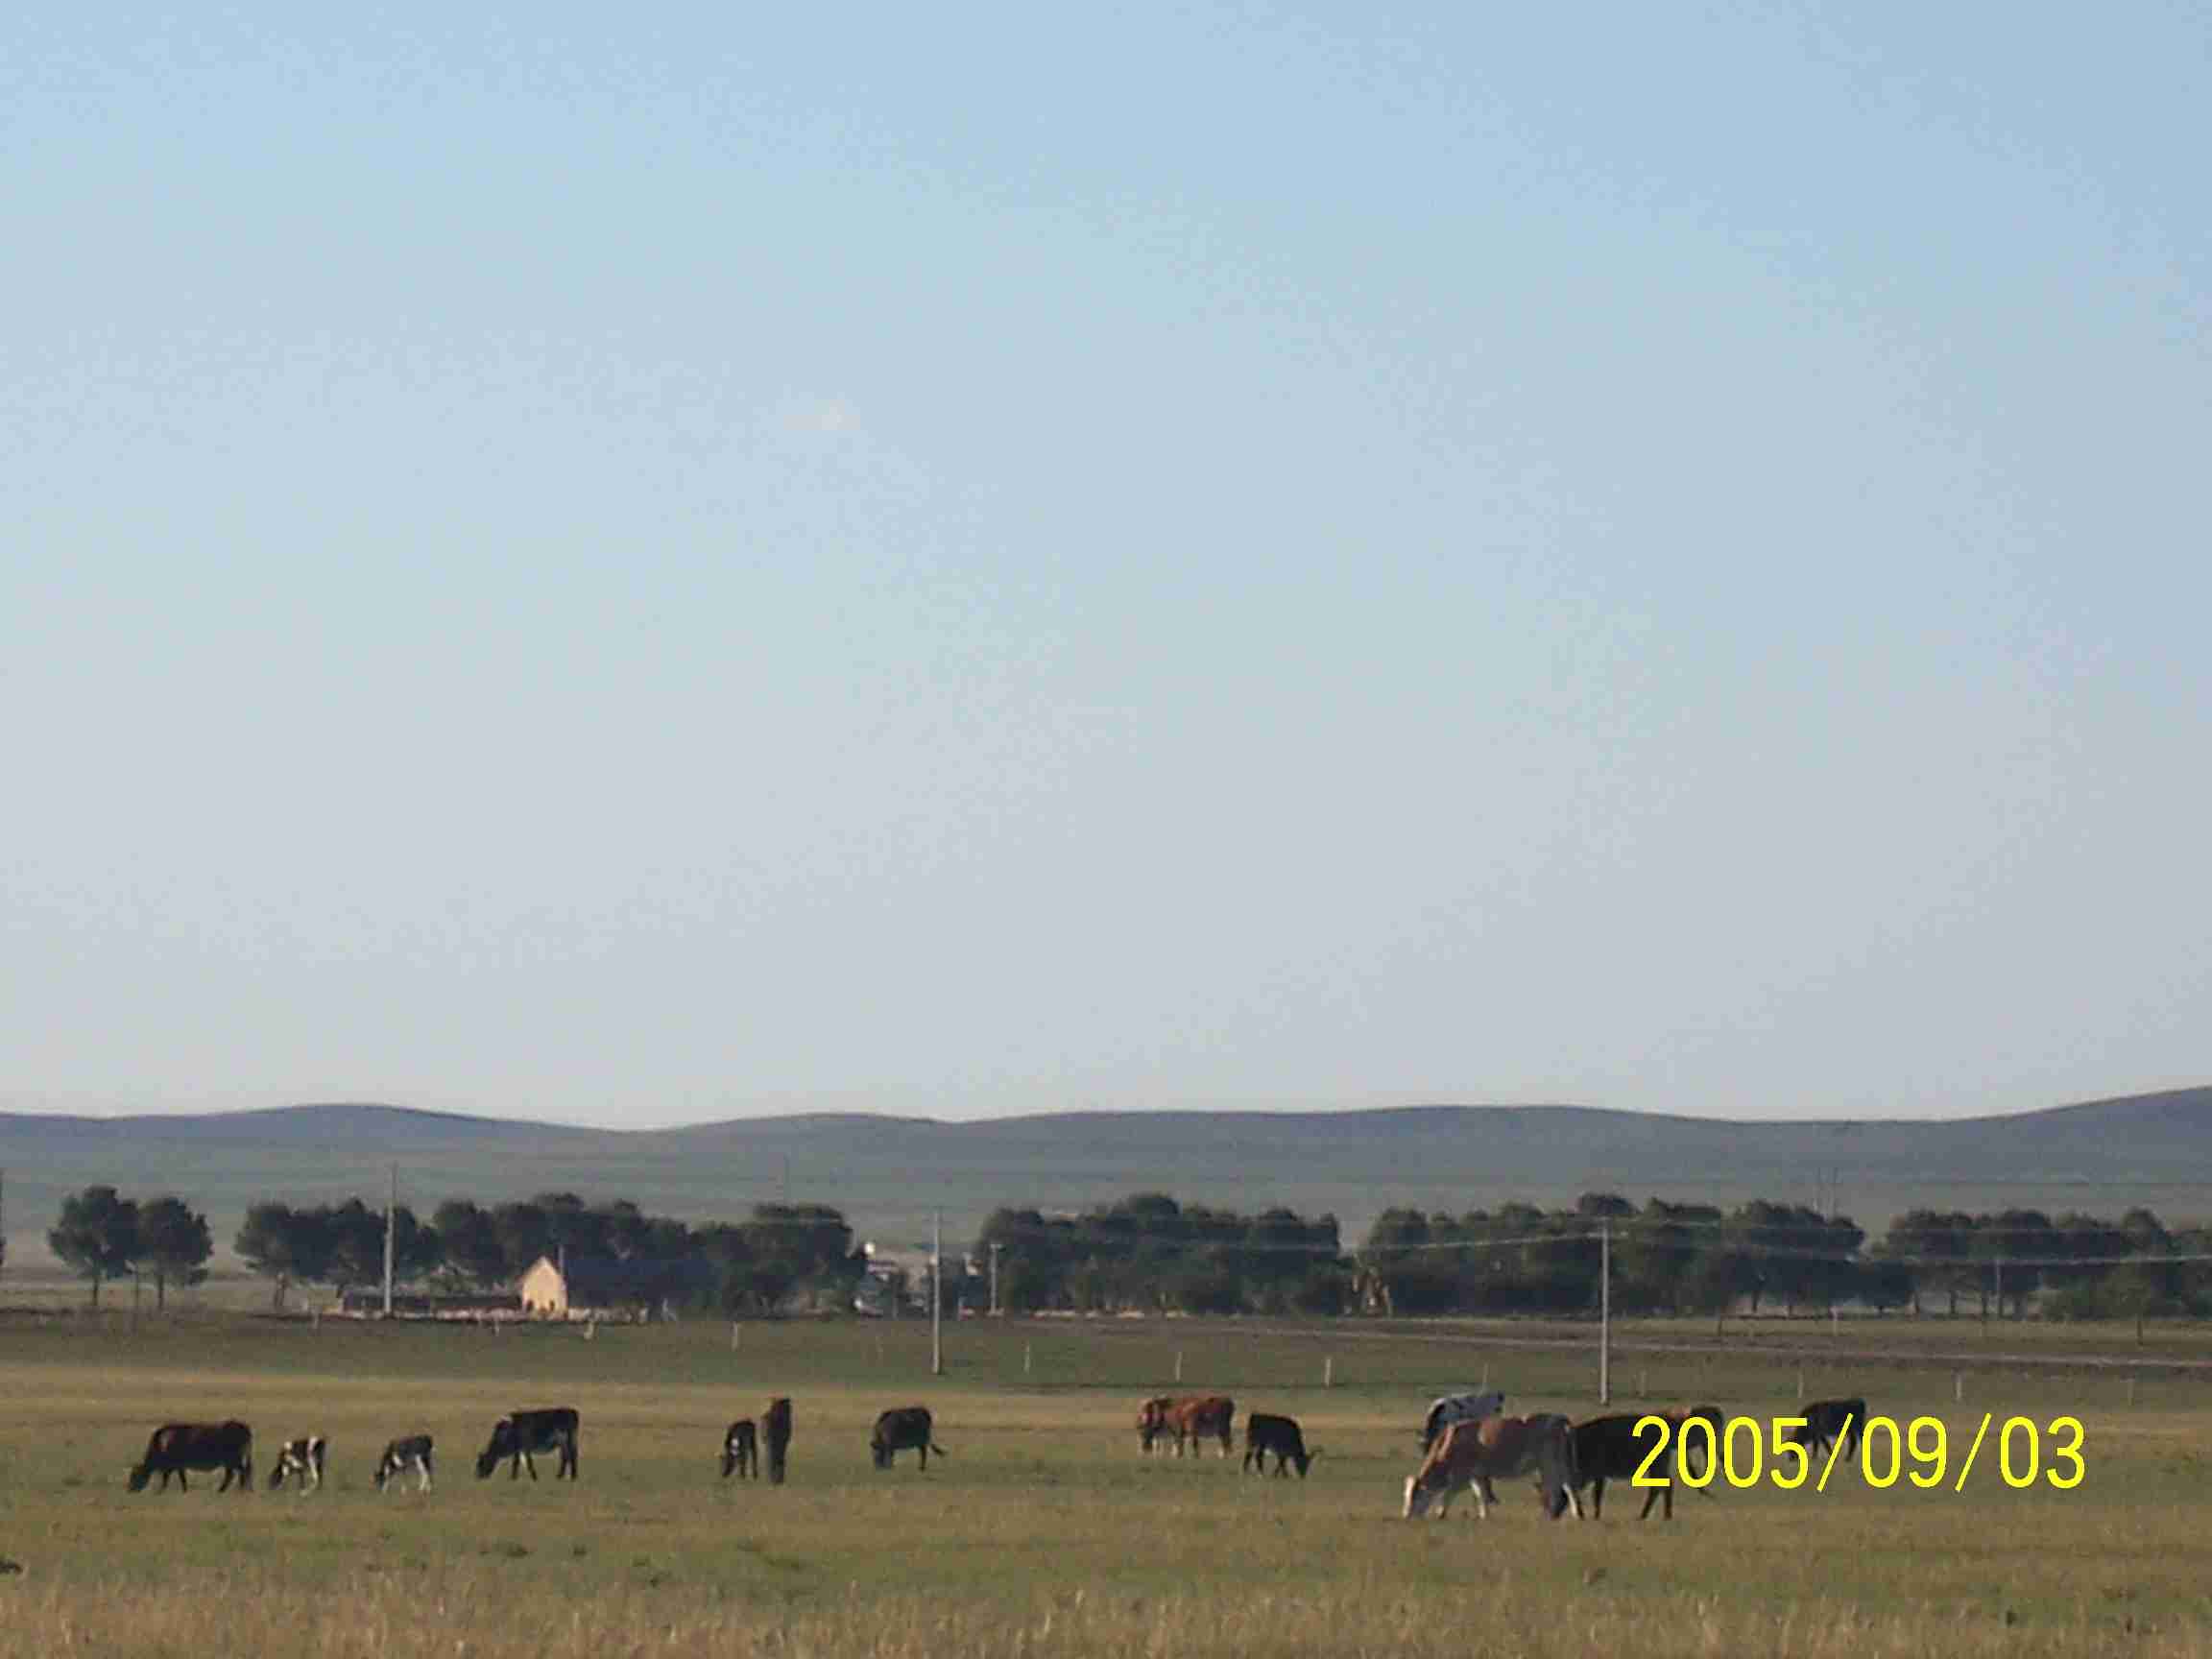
(1041,1532)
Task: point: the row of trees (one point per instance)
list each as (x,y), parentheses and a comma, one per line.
(1148,1252)
(784,1253)
(100,1234)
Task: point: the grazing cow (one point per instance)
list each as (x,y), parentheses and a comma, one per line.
(741,1450)
(1447,1409)
(400,1456)
(776,1431)
(1152,1421)
(1827,1421)
(520,1433)
(1265,1432)
(909,1428)
(1609,1449)
(1201,1417)
(176,1447)
(303,1457)
(1473,1454)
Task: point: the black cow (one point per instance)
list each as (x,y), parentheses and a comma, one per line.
(399,1456)
(303,1457)
(520,1433)
(1264,1432)
(741,1449)
(1827,1421)
(776,1431)
(1609,1449)
(906,1429)
(176,1447)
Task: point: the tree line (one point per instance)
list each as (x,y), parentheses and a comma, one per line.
(783,1254)
(1147,1252)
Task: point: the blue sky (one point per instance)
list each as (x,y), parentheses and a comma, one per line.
(636,567)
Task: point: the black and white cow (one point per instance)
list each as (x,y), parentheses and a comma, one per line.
(520,1433)
(1447,1409)
(741,1449)
(1265,1432)
(303,1457)
(400,1456)
(907,1428)
(176,1447)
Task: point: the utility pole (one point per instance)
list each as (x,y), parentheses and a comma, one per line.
(937,1294)
(390,1220)
(996,1247)
(1606,1313)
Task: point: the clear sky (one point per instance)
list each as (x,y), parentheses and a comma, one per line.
(641,563)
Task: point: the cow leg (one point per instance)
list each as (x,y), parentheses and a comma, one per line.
(568,1457)
(1597,1499)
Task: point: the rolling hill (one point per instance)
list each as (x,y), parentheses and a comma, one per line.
(888,1174)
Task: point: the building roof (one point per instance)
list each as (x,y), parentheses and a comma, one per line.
(612,1280)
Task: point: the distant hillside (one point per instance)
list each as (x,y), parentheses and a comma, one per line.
(888,1174)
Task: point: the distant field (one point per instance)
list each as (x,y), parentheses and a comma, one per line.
(1041,1533)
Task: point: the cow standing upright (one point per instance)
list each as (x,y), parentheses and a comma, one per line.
(1152,1421)
(1201,1417)
(741,1450)
(409,1451)
(904,1429)
(776,1431)
(1609,1449)
(1472,1455)
(303,1457)
(1265,1432)
(176,1447)
(519,1435)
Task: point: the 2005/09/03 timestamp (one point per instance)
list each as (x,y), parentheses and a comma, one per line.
(1747,1449)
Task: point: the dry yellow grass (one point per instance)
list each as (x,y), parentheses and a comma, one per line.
(1041,1533)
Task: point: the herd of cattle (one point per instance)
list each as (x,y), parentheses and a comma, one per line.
(1467,1443)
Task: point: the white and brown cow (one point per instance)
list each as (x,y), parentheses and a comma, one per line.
(1473,1454)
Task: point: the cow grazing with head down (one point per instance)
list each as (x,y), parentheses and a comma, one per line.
(1265,1432)
(1470,1455)
(1202,1417)
(1609,1449)
(1447,1409)
(907,1428)
(1828,1421)
(413,1451)
(741,1449)
(519,1435)
(776,1431)
(303,1457)
(176,1447)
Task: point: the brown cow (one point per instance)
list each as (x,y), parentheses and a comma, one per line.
(1201,1417)
(1473,1454)
(776,1431)
(1152,1421)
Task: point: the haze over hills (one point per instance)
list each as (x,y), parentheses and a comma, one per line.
(888,1174)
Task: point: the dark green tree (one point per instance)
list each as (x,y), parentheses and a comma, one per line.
(97,1235)
(289,1247)
(175,1243)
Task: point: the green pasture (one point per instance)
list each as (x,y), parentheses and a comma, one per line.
(1041,1532)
